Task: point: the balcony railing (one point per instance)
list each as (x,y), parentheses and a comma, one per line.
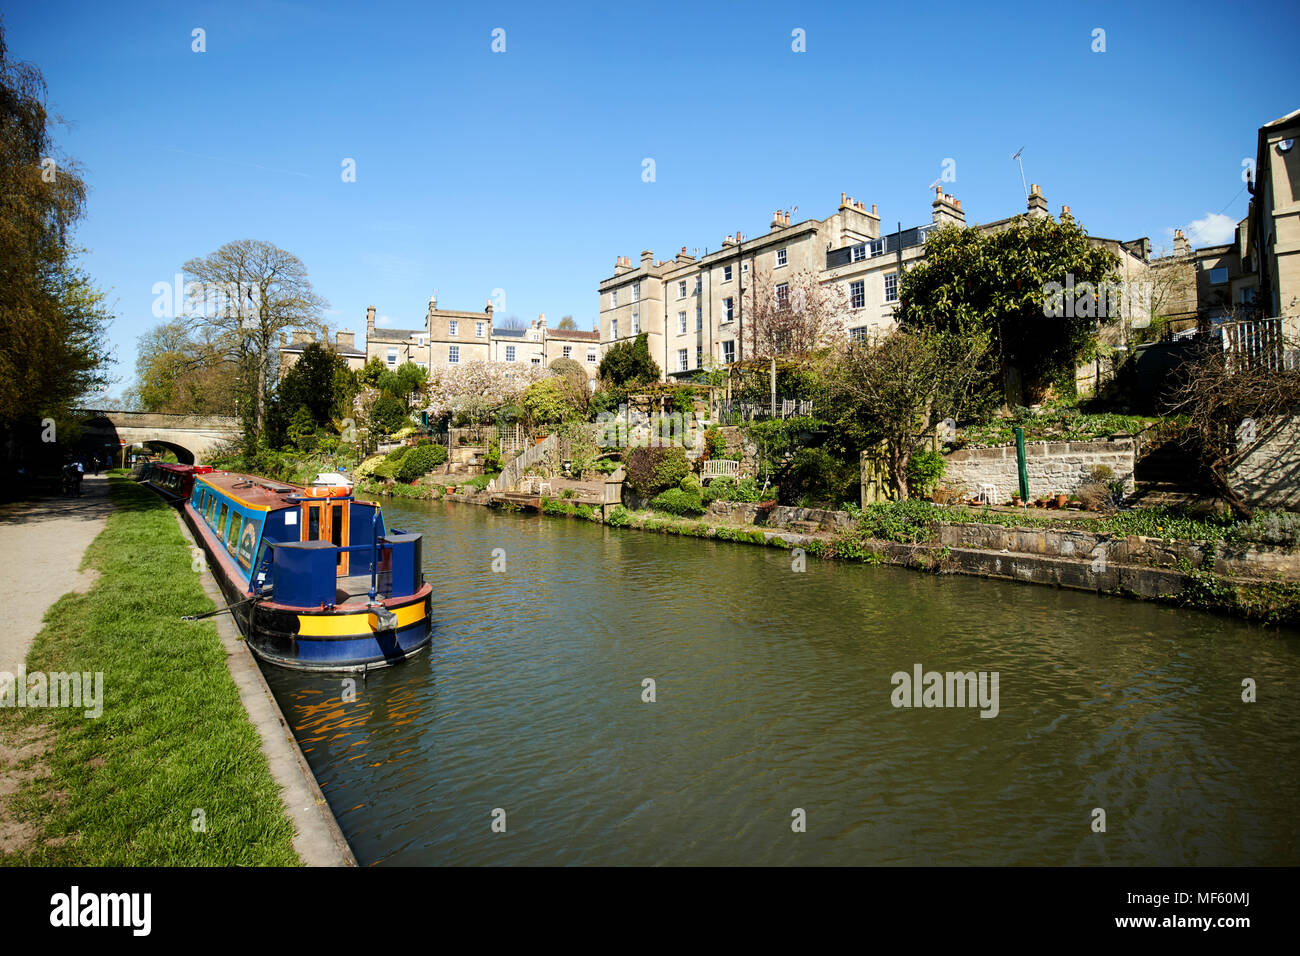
(1262,343)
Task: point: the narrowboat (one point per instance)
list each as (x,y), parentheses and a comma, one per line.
(314,578)
(174,482)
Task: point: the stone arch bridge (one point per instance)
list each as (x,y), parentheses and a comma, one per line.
(190,437)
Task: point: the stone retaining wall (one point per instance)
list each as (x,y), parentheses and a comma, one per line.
(1052,467)
(1269,474)
(1133,550)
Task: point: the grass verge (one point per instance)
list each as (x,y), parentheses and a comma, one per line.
(174,738)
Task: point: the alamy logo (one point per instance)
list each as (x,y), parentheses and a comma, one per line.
(102,909)
(953,689)
(38,689)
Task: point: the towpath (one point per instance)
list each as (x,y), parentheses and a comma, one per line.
(44,541)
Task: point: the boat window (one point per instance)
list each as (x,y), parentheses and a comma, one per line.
(232,538)
(221,520)
(313,523)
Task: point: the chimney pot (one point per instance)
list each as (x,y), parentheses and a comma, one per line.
(873,209)
(938,192)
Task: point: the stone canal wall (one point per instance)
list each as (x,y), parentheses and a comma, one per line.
(1053,467)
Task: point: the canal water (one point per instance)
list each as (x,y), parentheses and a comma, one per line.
(774,704)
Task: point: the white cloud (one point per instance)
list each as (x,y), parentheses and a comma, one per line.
(1213,230)
(383,320)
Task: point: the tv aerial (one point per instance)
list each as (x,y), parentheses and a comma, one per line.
(1016,157)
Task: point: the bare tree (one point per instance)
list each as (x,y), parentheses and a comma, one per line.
(247,292)
(792,317)
(1229,398)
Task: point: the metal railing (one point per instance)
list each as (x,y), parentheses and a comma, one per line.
(785,408)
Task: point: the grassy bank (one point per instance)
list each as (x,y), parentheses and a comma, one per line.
(173,738)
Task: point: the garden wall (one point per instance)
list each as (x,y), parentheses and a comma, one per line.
(1269,475)
(1052,466)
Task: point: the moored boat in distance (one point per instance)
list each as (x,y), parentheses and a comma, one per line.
(304,595)
(174,481)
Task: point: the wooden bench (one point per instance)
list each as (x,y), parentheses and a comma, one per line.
(721,468)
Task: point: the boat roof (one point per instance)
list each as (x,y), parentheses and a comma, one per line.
(261,494)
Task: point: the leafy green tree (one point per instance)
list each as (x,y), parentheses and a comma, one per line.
(972,282)
(53,320)
(372,372)
(567,324)
(311,383)
(551,401)
(629,363)
(180,371)
(576,375)
(388,415)
(403,382)
(302,429)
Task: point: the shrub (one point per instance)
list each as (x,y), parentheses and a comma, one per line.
(1268,527)
(814,473)
(676,501)
(367,468)
(1096,496)
(551,506)
(419,461)
(924,471)
(715,443)
(728,489)
(908,522)
(652,470)
(691,484)
(385,470)
(397,454)
(438,454)
(619,517)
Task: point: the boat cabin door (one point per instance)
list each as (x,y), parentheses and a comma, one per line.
(327,521)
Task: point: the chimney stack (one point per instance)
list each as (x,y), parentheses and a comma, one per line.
(1065,213)
(647,259)
(1181,246)
(370,319)
(777,221)
(1037,205)
(946,210)
(345,340)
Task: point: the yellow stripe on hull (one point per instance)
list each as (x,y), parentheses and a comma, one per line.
(343,625)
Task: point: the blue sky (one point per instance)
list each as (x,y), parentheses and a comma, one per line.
(522,171)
